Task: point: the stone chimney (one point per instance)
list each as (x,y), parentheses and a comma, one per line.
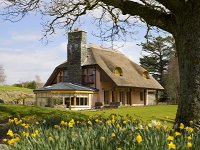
(76,54)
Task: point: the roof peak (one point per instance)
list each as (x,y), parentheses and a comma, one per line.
(91,45)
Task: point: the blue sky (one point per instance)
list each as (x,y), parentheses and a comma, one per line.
(24,56)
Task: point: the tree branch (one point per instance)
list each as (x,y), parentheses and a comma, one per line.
(151,16)
(172,5)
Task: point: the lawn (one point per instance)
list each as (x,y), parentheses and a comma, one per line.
(13,88)
(145,113)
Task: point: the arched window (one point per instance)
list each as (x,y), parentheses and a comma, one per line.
(145,74)
(118,71)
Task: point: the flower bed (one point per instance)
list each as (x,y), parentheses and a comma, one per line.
(112,133)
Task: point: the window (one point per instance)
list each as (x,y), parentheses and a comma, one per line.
(106,97)
(145,75)
(65,76)
(88,75)
(80,101)
(118,71)
(141,96)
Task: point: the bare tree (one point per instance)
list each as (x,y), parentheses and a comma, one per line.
(38,81)
(179,17)
(2,75)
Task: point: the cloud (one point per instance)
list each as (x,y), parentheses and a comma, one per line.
(16,36)
(22,65)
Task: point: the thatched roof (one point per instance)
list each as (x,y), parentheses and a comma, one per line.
(108,60)
(62,66)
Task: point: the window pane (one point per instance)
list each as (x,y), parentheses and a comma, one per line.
(72,101)
(82,101)
(77,101)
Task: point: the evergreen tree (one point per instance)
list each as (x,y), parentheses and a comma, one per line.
(158,51)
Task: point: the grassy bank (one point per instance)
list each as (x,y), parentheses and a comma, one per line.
(144,113)
(10,94)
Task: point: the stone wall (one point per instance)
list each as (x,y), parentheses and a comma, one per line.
(76,55)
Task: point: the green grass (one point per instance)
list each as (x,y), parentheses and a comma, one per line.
(145,113)
(12,88)
(9,93)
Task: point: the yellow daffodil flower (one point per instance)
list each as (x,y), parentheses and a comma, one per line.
(62,122)
(139,138)
(170,138)
(181,126)
(118,126)
(10,133)
(25,134)
(171,145)
(189,144)
(113,134)
(177,133)
(11,142)
(189,138)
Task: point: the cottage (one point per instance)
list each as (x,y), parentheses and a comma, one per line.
(96,74)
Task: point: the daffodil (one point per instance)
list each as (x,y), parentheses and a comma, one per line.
(181,126)
(18,122)
(177,133)
(124,122)
(10,133)
(119,148)
(11,142)
(189,144)
(36,132)
(5,140)
(11,120)
(108,122)
(139,138)
(190,129)
(89,122)
(16,139)
(62,122)
(171,145)
(70,125)
(33,135)
(118,126)
(113,134)
(189,138)
(36,122)
(170,138)
(25,134)
(26,126)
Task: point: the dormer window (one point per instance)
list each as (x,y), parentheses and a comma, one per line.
(88,75)
(118,71)
(145,74)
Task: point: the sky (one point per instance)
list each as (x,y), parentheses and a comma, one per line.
(23,55)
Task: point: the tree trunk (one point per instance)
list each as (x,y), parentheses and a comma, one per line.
(188,49)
